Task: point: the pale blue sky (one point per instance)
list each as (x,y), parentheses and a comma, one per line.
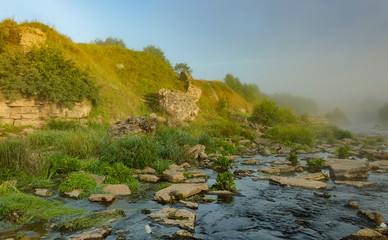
(328,49)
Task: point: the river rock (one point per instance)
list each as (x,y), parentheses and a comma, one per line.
(102,197)
(149,178)
(178,217)
(133,125)
(220,192)
(345,169)
(176,168)
(251,161)
(278,170)
(148,170)
(383,166)
(295,182)
(373,216)
(281,162)
(189,204)
(197,152)
(117,189)
(195,180)
(359,184)
(185,165)
(243,173)
(99,179)
(73,194)
(198,174)
(352,204)
(313,176)
(179,190)
(95,234)
(183,235)
(265,151)
(42,192)
(366,234)
(173,176)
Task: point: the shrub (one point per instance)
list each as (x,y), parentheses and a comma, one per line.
(318,163)
(343,152)
(79,180)
(340,133)
(226,148)
(267,113)
(221,163)
(225,181)
(119,173)
(291,133)
(293,158)
(63,164)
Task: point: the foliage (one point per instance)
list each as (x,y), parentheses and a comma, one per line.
(7,187)
(338,116)
(343,152)
(226,148)
(14,157)
(30,182)
(182,67)
(156,52)
(267,113)
(299,105)
(109,41)
(383,112)
(221,163)
(293,158)
(45,74)
(77,180)
(292,133)
(163,186)
(250,92)
(9,34)
(63,164)
(225,181)
(63,125)
(30,207)
(119,173)
(340,133)
(223,107)
(316,163)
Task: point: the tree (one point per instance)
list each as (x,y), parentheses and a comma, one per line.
(250,92)
(157,52)
(109,41)
(182,67)
(383,112)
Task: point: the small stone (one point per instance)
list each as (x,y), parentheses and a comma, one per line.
(172,216)
(377,218)
(149,178)
(352,204)
(189,204)
(185,165)
(251,161)
(183,234)
(120,238)
(42,192)
(195,180)
(73,194)
(117,189)
(145,211)
(148,170)
(102,197)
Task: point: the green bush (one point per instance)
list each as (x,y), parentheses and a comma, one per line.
(44,73)
(293,158)
(221,163)
(343,152)
(225,181)
(14,157)
(226,148)
(292,133)
(63,164)
(318,163)
(267,113)
(120,174)
(79,180)
(340,133)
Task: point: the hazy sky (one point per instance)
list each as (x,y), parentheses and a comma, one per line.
(319,48)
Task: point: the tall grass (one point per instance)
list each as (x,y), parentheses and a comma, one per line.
(295,134)
(14,157)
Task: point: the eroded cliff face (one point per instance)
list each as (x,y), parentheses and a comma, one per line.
(179,105)
(25,112)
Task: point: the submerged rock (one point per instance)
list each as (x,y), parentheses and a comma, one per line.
(176,191)
(102,197)
(359,184)
(352,204)
(375,217)
(345,169)
(366,234)
(296,182)
(95,234)
(172,216)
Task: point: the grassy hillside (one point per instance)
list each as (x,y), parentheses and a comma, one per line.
(125,77)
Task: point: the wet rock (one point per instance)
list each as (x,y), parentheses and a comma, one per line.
(295,182)
(185,165)
(102,197)
(265,151)
(232,157)
(95,234)
(149,178)
(243,173)
(148,170)
(99,179)
(281,162)
(178,217)
(179,190)
(345,169)
(183,235)
(173,176)
(73,194)
(313,176)
(197,152)
(133,125)
(359,184)
(366,234)
(42,192)
(352,204)
(195,180)
(198,174)
(283,150)
(117,189)
(324,195)
(375,217)
(251,161)
(176,168)
(146,211)
(188,204)
(121,238)
(261,178)
(220,193)
(278,170)
(383,166)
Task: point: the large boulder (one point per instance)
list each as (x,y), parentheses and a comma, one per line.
(173,176)
(297,182)
(345,169)
(178,191)
(177,104)
(178,217)
(133,125)
(197,152)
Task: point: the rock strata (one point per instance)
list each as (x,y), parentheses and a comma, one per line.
(345,169)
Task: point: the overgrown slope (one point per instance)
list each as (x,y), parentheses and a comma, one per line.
(125,77)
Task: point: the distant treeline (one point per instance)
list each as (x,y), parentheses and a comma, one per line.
(250,92)
(300,105)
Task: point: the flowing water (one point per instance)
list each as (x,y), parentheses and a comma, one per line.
(260,210)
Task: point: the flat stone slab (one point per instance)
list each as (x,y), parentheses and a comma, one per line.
(102,197)
(73,194)
(179,190)
(99,179)
(42,192)
(198,174)
(177,217)
(221,192)
(189,204)
(173,176)
(195,180)
(97,233)
(278,170)
(346,169)
(183,234)
(251,161)
(296,182)
(117,189)
(313,176)
(359,184)
(149,178)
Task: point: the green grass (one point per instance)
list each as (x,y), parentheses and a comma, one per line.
(78,180)
(14,158)
(292,133)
